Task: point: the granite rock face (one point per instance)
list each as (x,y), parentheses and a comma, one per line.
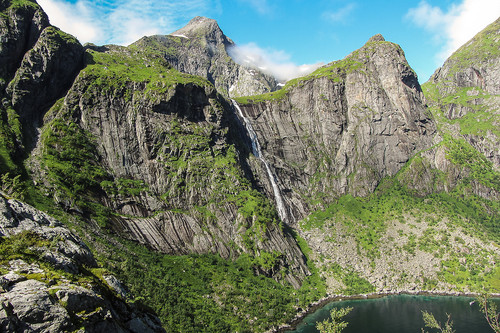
(344,127)
(45,73)
(30,305)
(464,96)
(38,63)
(168,143)
(143,142)
(20,28)
(467,91)
(35,297)
(67,253)
(201,48)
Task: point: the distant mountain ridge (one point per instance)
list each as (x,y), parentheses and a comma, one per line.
(201,48)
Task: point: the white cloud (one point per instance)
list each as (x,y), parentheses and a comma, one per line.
(121,21)
(275,63)
(458,24)
(127,26)
(76,19)
(340,14)
(261,6)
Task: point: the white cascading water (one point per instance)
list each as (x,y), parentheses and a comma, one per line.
(258,153)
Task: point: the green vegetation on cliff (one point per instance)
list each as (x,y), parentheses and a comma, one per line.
(483,47)
(335,71)
(10,140)
(366,221)
(206,292)
(16,4)
(119,66)
(478,118)
(70,159)
(173,148)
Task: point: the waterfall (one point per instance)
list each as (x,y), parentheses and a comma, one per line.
(280,205)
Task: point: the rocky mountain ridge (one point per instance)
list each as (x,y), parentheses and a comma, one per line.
(344,127)
(201,48)
(466,89)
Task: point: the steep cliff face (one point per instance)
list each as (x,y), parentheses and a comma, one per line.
(439,214)
(465,92)
(152,145)
(21,24)
(342,128)
(45,73)
(464,98)
(142,142)
(201,48)
(38,63)
(48,281)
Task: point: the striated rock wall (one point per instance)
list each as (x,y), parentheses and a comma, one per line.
(162,160)
(344,127)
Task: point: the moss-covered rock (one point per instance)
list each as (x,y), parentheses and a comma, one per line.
(464,94)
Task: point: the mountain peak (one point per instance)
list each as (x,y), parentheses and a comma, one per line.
(376,38)
(200,27)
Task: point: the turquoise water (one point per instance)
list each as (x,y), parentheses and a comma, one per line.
(402,314)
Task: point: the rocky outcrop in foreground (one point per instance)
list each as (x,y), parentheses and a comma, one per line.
(47,284)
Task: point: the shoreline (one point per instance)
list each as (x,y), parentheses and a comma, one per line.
(335,298)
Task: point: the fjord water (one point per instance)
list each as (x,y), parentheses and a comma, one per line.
(401,314)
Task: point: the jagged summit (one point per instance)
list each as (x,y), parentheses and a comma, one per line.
(203,27)
(376,38)
(201,48)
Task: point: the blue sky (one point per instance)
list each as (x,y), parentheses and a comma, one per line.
(286,34)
